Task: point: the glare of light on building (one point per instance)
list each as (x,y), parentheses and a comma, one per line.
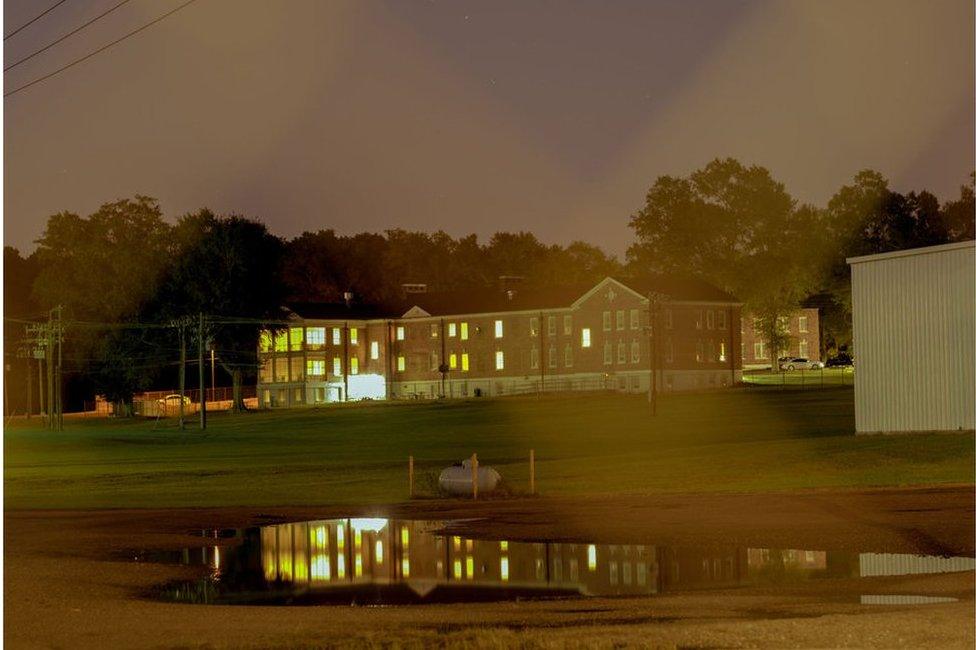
(368,385)
(504,569)
(341,536)
(341,566)
(591,557)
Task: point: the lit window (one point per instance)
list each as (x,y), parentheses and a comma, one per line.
(353,336)
(337,366)
(499,360)
(802,326)
(453,361)
(434,331)
(266,341)
(585,337)
(315,367)
(280,342)
(401,333)
(591,557)
(568,356)
(722,323)
(552,325)
(452,329)
(721,351)
(607,353)
(499,329)
(634,319)
(621,352)
(401,363)
(374,350)
(552,356)
(606,321)
(534,358)
(295,338)
(354,366)
(567,325)
(469,568)
(634,352)
(336,336)
(620,319)
(464,362)
(504,569)
(464,331)
(315,336)
(533,326)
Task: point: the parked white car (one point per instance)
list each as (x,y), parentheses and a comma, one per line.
(799,363)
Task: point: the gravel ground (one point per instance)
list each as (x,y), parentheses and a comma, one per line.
(66,584)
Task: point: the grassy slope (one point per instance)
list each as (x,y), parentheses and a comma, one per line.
(736,440)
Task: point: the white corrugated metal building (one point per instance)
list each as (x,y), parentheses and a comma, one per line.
(914,339)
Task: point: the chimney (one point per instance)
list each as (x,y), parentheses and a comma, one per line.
(413,287)
(347,298)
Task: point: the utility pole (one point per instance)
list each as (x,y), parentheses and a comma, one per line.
(213,375)
(203,387)
(60,334)
(182,331)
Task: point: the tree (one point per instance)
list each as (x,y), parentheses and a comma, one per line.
(736,227)
(229,268)
(960,216)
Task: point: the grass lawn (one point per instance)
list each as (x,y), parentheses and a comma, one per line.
(739,440)
(808,378)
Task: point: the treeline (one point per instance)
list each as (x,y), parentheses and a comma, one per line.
(731,224)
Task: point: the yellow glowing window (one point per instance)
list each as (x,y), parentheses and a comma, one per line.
(336,336)
(337,366)
(464,331)
(405,536)
(315,335)
(357,538)
(499,329)
(469,568)
(341,566)
(353,336)
(499,360)
(401,363)
(321,569)
(359,565)
(354,366)
(452,329)
(321,537)
(374,350)
(405,568)
(401,333)
(591,557)
(379,551)
(457,568)
(280,342)
(585,337)
(315,367)
(721,351)
(453,361)
(464,362)
(266,341)
(503,546)
(340,537)
(295,336)
(504,569)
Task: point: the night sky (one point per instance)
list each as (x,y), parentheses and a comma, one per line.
(553,117)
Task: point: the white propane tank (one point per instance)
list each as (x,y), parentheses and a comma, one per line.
(456,479)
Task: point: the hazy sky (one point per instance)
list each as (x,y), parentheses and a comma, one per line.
(553,117)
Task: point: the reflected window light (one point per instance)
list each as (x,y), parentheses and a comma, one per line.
(321,537)
(585,337)
(374,350)
(405,567)
(457,543)
(379,551)
(457,568)
(469,568)
(216,557)
(341,566)
(340,536)
(321,569)
(504,569)
(404,536)
(469,544)
(358,538)
(591,557)
(503,545)
(359,565)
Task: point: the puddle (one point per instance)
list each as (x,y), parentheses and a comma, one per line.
(393,561)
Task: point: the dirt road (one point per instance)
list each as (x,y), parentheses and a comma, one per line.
(68,584)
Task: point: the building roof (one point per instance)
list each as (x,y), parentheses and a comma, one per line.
(925,250)
(490,300)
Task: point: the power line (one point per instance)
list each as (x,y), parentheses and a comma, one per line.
(68,35)
(35,18)
(99,50)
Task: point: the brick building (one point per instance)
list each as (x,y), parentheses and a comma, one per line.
(803,326)
(499,342)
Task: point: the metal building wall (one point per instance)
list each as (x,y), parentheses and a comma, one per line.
(914,339)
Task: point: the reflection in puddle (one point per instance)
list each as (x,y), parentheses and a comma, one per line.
(401,561)
(905,600)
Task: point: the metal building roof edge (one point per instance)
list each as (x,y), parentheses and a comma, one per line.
(925,250)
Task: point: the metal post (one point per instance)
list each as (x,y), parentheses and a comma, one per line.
(182,370)
(474,476)
(60,378)
(410,474)
(30,387)
(532,471)
(213,377)
(200,375)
